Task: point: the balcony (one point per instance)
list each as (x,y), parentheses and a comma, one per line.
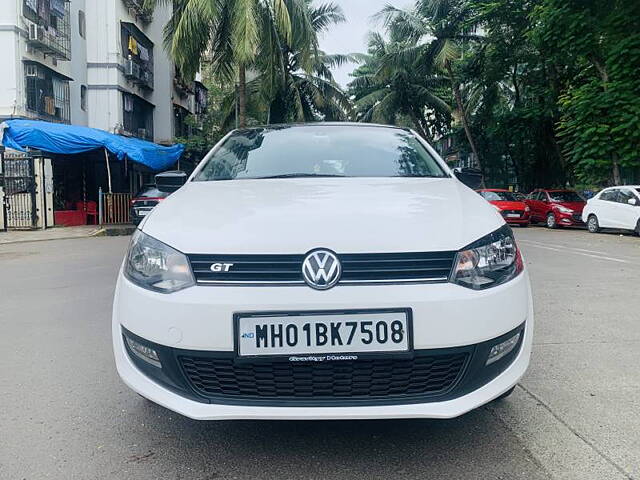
(136,7)
(54,44)
(47,93)
(49,33)
(138,74)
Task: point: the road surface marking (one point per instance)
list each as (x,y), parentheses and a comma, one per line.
(575,251)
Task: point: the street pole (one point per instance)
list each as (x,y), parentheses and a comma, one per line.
(106,158)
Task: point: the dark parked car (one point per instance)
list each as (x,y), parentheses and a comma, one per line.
(144,201)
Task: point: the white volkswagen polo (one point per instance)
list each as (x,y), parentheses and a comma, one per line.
(322,271)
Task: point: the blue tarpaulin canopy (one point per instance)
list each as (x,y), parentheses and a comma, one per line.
(71,139)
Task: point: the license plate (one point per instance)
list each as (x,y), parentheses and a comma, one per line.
(143,212)
(323,333)
(513,215)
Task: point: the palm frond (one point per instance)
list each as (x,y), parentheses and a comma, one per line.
(325,15)
(244,33)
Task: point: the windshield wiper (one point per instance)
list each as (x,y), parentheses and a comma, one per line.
(301,175)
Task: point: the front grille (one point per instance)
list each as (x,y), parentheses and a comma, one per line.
(355,379)
(356,268)
(145,203)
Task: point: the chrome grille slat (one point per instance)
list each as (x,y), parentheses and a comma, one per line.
(357,268)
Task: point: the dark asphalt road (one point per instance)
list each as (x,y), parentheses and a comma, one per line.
(64,414)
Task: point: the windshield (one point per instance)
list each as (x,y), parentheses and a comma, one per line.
(309,151)
(566,196)
(499,196)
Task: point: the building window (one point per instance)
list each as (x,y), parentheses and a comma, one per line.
(48,28)
(180,125)
(47,93)
(137,50)
(82,24)
(201,98)
(137,116)
(83,97)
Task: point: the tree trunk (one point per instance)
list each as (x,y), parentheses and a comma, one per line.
(617,180)
(418,126)
(463,116)
(242,96)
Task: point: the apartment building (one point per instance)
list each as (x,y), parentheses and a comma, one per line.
(98,63)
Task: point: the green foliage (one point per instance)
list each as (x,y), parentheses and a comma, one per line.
(600,107)
(269,48)
(549,88)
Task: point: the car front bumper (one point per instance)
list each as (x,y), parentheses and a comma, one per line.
(200,319)
(569,219)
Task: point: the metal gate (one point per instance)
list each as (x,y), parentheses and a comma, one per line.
(19,190)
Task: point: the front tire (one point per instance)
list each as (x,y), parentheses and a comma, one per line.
(592,224)
(505,394)
(637,231)
(551,221)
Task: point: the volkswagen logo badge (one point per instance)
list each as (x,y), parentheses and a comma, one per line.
(321,269)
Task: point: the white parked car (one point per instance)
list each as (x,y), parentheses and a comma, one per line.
(616,208)
(322,271)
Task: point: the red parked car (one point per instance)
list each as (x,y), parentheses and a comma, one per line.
(143,201)
(514,211)
(556,207)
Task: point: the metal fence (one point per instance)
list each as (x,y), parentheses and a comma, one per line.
(114,208)
(17,177)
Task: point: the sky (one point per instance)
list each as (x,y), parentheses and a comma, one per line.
(351,36)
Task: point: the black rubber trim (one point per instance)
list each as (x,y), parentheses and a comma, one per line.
(475,374)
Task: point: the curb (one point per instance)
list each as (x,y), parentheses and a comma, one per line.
(122,230)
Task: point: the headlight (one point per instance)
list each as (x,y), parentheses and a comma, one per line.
(155,266)
(490,261)
(564,209)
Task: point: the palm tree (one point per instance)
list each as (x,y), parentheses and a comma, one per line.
(235,33)
(306,89)
(388,87)
(436,29)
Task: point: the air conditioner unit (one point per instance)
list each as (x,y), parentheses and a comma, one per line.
(33,30)
(36,32)
(142,132)
(131,69)
(30,70)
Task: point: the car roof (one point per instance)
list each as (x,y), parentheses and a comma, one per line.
(279,126)
(622,186)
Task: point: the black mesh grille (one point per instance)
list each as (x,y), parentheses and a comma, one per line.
(356,268)
(365,379)
(145,203)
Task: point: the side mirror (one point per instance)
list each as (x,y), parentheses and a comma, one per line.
(632,201)
(169,182)
(471,177)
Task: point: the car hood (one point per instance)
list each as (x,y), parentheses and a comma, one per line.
(575,206)
(347,215)
(507,205)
